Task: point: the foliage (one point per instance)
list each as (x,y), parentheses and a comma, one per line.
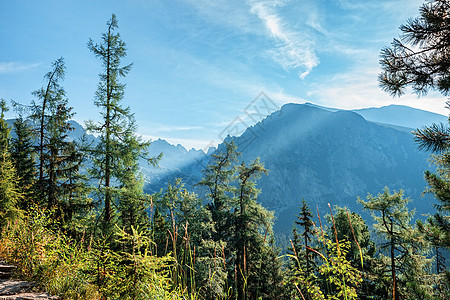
(51,259)
(341,279)
(419,58)
(76,270)
(116,156)
(405,244)
(10,194)
(22,155)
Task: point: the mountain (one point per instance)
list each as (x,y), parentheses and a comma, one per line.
(176,162)
(330,157)
(400,115)
(326,156)
(397,115)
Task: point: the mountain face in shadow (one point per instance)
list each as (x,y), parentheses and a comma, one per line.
(330,157)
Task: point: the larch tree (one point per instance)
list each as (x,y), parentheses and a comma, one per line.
(9,192)
(218,177)
(47,96)
(119,149)
(252,230)
(405,245)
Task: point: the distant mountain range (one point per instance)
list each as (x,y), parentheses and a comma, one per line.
(400,115)
(323,155)
(397,115)
(329,156)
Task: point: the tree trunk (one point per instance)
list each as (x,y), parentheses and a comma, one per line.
(108,136)
(395,295)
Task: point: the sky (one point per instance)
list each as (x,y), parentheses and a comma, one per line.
(203,69)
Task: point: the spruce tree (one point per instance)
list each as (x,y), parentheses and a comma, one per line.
(132,201)
(60,159)
(306,223)
(22,155)
(301,253)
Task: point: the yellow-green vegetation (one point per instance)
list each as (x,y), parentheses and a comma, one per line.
(74,217)
(86,269)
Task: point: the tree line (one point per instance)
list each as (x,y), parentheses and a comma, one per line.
(74,216)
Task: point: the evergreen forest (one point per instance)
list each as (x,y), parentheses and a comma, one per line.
(75,219)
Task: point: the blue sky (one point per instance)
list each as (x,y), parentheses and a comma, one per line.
(198,64)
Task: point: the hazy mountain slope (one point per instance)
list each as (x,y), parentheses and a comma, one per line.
(175,158)
(176,162)
(402,116)
(330,157)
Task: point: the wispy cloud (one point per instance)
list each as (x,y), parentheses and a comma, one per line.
(293,50)
(230,13)
(11,67)
(168,128)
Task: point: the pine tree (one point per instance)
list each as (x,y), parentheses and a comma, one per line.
(419,58)
(117,129)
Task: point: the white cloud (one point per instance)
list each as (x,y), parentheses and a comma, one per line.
(293,50)
(11,67)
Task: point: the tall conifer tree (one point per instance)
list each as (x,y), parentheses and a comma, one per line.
(22,154)
(9,192)
(47,97)
(116,156)
(404,243)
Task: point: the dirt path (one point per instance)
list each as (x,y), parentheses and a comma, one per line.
(16,289)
